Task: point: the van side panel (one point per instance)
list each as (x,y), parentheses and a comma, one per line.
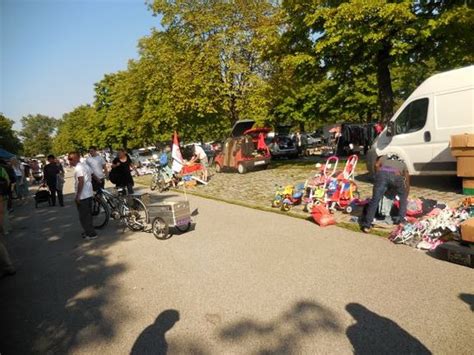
(454,111)
(454,114)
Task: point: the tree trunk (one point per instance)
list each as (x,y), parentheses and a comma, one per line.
(234,115)
(384,83)
(302,127)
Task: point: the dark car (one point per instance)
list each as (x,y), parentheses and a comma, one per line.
(282,146)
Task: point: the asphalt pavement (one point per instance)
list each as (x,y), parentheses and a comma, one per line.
(242,281)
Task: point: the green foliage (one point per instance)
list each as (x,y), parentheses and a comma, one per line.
(76,131)
(300,62)
(37,134)
(358,45)
(8,137)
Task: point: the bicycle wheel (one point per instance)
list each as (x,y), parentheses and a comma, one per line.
(162,184)
(137,216)
(100,213)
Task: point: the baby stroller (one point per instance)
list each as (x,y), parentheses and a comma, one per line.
(345,194)
(37,176)
(317,186)
(42,195)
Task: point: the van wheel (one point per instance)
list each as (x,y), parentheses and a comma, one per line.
(241,168)
(218,168)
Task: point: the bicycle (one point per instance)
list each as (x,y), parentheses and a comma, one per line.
(162,178)
(130,210)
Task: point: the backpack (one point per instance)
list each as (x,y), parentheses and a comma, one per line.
(113,176)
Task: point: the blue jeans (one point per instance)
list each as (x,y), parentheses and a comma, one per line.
(383,181)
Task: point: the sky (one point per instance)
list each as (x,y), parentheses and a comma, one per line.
(53,51)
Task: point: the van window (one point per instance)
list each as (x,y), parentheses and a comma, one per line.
(413,117)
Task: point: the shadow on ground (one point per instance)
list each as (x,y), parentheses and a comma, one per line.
(303,325)
(468,299)
(284,334)
(152,339)
(374,334)
(57,301)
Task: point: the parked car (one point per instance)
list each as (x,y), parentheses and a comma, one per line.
(142,157)
(282,146)
(240,152)
(420,131)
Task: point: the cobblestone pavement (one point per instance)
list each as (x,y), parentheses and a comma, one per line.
(257,188)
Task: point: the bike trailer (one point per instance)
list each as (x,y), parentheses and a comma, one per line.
(174,213)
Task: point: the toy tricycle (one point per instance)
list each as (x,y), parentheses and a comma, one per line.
(288,196)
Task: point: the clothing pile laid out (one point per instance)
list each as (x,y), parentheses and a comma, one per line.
(431,230)
(355,135)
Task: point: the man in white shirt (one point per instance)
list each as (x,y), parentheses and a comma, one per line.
(201,156)
(98,167)
(84,194)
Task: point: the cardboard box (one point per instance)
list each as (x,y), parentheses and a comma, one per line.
(465,140)
(465,166)
(467,230)
(462,145)
(462,152)
(468,183)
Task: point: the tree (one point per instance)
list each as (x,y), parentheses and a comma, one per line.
(76,130)
(220,67)
(8,137)
(37,132)
(353,40)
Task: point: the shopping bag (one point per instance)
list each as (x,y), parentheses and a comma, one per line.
(322,216)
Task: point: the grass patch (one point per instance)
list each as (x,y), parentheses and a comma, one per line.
(143,180)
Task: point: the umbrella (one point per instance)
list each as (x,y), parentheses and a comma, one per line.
(5,154)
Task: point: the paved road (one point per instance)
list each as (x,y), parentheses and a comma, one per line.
(242,282)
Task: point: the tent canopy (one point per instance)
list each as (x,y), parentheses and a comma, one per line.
(5,154)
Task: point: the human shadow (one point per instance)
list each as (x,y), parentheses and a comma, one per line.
(374,334)
(468,298)
(152,340)
(284,334)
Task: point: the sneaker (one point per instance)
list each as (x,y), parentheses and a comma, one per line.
(90,237)
(365,229)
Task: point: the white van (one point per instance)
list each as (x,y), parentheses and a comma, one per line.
(420,131)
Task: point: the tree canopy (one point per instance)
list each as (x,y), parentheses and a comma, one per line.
(8,137)
(300,62)
(37,134)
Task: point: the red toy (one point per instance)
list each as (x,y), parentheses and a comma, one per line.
(346,192)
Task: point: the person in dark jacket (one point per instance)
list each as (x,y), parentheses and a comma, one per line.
(121,171)
(53,173)
(390,172)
